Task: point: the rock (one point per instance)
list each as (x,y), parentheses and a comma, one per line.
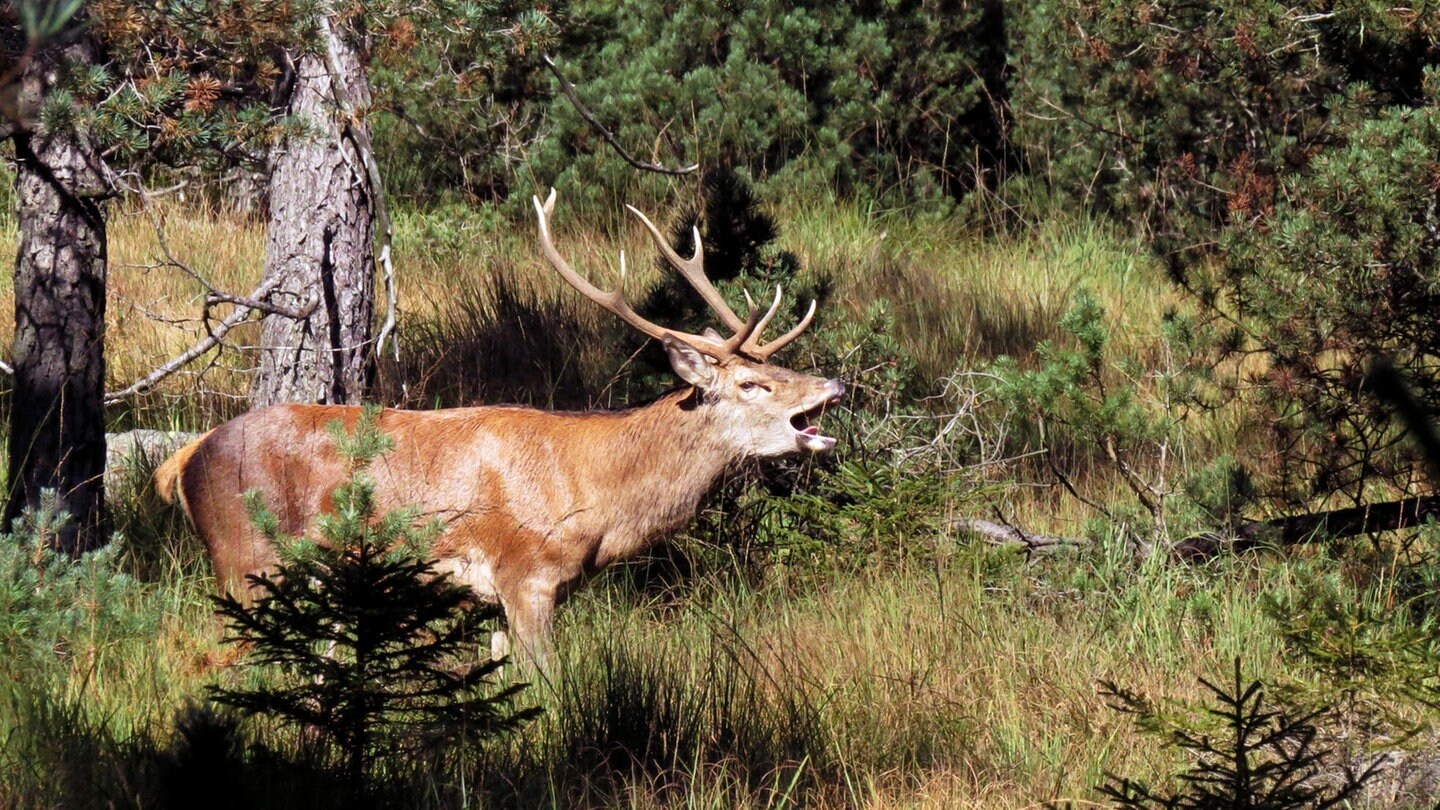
(139,449)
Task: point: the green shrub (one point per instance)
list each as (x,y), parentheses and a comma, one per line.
(1247,754)
(1182,116)
(849,96)
(57,609)
(1373,644)
(1086,405)
(1280,158)
(1341,272)
(456,89)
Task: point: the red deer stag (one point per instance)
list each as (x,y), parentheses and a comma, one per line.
(533,502)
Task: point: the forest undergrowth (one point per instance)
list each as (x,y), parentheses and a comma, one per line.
(828,637)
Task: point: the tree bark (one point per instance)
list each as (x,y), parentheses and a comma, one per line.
(319,243)
(57,417)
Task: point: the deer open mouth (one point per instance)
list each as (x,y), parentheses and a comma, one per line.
(807,433)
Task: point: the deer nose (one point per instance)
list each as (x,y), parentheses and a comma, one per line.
(837,389)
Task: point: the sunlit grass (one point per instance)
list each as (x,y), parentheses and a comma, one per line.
(957,298)
(966,681)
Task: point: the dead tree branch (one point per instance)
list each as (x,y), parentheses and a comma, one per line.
(247,304)
(1335,524)
(254,304)
(569,90)
(207,343)
(212,293)
(1011,536)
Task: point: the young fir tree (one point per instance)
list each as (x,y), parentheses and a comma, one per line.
(1247,754)
(362,637)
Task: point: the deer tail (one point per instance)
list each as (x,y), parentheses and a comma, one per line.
(167,475)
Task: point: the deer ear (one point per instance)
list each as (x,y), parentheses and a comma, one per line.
(689,363)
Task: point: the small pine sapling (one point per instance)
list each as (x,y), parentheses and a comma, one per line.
(361,633)
(60,609)
(1088,400)
(1247,754)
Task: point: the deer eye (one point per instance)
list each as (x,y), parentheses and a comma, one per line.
(749,386)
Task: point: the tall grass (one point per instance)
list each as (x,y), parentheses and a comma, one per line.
(966,680)
(478,302)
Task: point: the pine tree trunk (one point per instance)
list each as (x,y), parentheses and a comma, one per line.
(319,244)
(57,416)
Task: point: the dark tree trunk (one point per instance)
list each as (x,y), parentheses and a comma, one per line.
(57,417)
(1335,524)
(320,244)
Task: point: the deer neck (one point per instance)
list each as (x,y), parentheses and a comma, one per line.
(669,454)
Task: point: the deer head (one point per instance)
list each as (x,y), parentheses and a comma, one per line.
(758,409)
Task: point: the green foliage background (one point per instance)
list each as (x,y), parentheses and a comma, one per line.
(851,96)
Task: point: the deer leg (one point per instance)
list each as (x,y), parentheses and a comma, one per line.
(531,615)
(474,570)
(499,645)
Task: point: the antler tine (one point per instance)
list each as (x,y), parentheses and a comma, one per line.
(749,344)
(742,340)
(614,300)
(765,321)
(693,269)
(764,352)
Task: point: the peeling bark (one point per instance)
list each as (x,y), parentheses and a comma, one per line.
(319,245)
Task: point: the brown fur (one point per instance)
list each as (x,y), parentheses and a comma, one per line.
(532,502)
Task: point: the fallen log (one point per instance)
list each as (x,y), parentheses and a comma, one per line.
(1334,524)
(1012,536)
(134,449)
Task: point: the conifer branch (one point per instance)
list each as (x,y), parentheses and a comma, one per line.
(569,90)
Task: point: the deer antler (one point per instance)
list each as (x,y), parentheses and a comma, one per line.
(763,352)
(746,333)
(693,269)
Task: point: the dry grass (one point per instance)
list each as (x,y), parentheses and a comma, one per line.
(957,297)
(970,684)
(960,298)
